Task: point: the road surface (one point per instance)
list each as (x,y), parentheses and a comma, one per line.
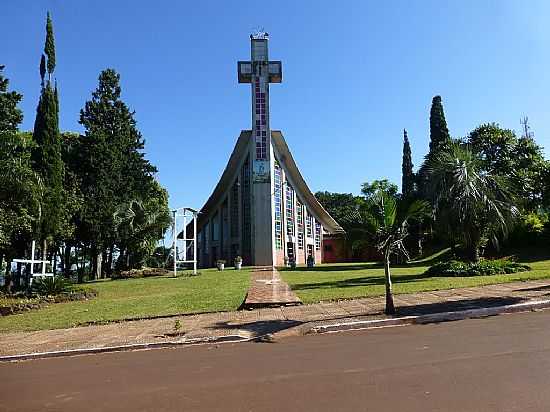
(495,364)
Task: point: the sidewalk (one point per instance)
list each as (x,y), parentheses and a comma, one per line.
(268,289)
(280,321)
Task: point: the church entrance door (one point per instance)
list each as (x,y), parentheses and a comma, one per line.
(290,251)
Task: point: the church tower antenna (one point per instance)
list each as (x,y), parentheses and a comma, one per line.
(526,128)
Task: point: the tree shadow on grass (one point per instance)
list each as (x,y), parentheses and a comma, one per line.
(335,268)
(371,265)
(358,282)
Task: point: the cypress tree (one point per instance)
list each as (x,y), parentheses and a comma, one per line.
(49,46)
(46,156)
(42,69)
(439,133)
(407,177)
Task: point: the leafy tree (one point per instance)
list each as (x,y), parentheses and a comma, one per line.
(385,220)
(370,189)
(471,204)
(531,168)
(495,147)
(19,185)
(114,170)
(10,115)
(439,133)
(339,205)
(521,160)
(67,234)
(407,174)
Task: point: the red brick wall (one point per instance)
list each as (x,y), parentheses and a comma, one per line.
(334,250)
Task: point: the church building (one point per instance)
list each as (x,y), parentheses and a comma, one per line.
(262,209)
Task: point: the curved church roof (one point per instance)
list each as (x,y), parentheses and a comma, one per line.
(285,158)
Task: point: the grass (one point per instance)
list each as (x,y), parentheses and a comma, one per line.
(353,280)
(135,298)
(219,291)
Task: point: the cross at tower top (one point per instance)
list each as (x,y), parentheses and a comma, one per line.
(259,71)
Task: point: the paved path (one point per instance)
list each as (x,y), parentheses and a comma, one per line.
(487,365)
(267,288)
(258,322)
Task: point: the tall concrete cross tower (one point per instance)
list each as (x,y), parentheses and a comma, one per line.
(259,71)
(262,209)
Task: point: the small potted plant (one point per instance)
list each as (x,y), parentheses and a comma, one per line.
(292,263)
(238,262)
(220,264)
(310,261)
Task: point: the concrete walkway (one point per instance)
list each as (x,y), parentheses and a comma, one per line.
(259,322)
(268,289)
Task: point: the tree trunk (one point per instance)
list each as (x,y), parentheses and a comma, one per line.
(8,280)
(93,261)
(98,265)
(475,254)
(110,260)
(54,261)
(67,259)
(96,256)
(390,308)
(44,250)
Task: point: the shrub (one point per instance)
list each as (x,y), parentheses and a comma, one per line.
(139,273)
(531,230)
(481,268)
(24,302)
(51,286)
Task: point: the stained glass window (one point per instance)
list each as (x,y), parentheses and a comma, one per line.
(300,224)
(309,225)
(289,210)
(277,183)
(317,235)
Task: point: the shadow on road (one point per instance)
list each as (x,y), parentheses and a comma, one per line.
(457,305)
(260,329)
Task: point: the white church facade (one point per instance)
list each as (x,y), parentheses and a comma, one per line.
(262,209)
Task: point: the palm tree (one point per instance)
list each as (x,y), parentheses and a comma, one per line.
(384,220)
(471,205)
(139,226)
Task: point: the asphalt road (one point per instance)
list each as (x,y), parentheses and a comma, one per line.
(495,364)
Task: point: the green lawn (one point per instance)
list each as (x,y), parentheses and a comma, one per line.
(134,298)
(353,280)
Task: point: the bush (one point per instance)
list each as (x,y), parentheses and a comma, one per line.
(531,230)
(24,302)
(51,286)
(139,273)
(481,268)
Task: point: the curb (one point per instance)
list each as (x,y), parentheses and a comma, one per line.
(125,348)
(327,328)
(432,318)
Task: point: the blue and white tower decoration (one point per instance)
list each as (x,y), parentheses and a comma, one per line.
(259,72)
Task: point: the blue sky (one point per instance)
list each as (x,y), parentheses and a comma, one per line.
(355,73)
